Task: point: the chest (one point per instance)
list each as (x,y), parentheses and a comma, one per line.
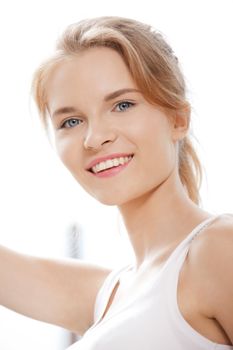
(189,302)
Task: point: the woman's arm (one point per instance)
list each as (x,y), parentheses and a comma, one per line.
(211,264)
(61,292)
(221,272)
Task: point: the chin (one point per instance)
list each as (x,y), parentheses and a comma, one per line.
(113,198)
(116,198)
(107,200)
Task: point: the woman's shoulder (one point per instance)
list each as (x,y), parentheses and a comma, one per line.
(218,233)
(212,249)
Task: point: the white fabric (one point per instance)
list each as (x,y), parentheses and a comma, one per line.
(152,320)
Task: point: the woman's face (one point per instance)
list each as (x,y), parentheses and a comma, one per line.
(101,120)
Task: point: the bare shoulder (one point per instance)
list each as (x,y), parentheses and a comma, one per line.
(215,242)
(211,252)
(210,263)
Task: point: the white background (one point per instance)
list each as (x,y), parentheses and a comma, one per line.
(39,199)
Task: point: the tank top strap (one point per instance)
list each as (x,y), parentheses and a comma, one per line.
(170,293)
(114,276)
(106,290)
(172,263)
(178,256)
(199,228)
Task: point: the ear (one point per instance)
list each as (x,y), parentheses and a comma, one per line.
(180,123)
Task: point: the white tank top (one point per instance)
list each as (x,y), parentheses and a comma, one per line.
(152,320)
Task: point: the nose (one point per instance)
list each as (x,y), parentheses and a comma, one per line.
(98,134)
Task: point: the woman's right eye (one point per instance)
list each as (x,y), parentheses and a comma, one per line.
(71,123)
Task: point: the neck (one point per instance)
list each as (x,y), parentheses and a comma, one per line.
(159,220)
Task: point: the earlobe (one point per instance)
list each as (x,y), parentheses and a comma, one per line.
(181,123)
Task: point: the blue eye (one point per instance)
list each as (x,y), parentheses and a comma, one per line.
(70,123)
(124,105)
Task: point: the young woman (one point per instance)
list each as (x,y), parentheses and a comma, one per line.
(116,99)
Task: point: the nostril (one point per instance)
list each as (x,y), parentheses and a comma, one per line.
(106,142)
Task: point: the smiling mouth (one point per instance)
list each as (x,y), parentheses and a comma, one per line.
(110,163)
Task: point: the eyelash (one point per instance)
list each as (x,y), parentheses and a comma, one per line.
(130,104)
(125,102)
(68,120)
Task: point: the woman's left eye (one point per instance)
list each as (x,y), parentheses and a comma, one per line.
(124,105)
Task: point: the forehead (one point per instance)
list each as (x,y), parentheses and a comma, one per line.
(94,72)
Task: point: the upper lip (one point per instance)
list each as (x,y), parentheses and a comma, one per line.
(104,158)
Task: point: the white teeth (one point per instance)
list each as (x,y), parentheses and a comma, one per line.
(115,162)
(101,166)
(110,163)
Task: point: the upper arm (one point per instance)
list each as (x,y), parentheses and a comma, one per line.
(71,287)
(213,261)
(61,292)
(222,281)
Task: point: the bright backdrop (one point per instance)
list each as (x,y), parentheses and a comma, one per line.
(39,198)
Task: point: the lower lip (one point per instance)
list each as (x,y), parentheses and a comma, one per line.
(112,171)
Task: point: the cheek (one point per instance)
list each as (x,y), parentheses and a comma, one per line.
(67,151)
(158,152)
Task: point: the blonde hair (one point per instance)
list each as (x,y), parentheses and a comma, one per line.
(152,64)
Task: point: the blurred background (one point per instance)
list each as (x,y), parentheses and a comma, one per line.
(43,210)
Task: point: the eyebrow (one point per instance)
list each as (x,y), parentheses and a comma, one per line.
(117,93)
(107,98)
